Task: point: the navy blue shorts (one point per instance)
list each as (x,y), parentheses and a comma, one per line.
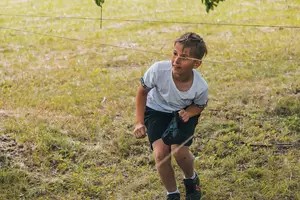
(157,122)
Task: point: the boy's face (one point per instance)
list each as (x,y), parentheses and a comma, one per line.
(182,61)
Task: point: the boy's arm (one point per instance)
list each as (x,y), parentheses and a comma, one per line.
(141,98)
(190,112)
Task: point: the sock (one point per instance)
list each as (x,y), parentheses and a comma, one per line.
(177,191)
(191,177)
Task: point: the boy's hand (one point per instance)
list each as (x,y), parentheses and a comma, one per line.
(140,131)
(184,115)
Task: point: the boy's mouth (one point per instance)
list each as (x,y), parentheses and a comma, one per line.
(176,67)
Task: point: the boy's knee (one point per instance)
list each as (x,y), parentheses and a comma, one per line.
(161,155)
(161,151)
(182,155)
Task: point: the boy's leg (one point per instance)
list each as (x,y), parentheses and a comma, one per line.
(184,159)
(163,164)
(156,123)
(183,156)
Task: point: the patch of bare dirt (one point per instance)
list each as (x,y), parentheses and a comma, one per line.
(11,152)
(266,29)
(6,113)
(20,1)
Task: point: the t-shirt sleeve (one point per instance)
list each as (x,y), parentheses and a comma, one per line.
(148,81)
(202,99)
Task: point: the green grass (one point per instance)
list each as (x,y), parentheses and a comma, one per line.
(67,106)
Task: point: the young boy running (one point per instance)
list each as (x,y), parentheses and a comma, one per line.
(170,87)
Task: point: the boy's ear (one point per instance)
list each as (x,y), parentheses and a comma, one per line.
(197,64)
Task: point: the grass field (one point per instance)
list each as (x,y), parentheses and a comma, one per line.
(67,98)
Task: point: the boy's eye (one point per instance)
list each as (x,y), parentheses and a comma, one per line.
(184,58)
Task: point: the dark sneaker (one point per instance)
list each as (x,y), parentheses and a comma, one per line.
(192,187)
(175,196)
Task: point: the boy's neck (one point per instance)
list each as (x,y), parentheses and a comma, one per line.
(184,79)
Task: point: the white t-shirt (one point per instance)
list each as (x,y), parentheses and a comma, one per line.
(164,95)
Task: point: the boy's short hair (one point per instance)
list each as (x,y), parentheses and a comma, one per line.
(194,42)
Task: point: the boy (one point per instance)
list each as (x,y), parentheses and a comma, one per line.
(169,87)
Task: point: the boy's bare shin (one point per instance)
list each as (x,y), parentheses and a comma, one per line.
(185,160)
(163,165)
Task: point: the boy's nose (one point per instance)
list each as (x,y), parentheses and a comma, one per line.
(176,60)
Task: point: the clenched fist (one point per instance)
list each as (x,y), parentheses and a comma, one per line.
(184,115)
(140,131)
